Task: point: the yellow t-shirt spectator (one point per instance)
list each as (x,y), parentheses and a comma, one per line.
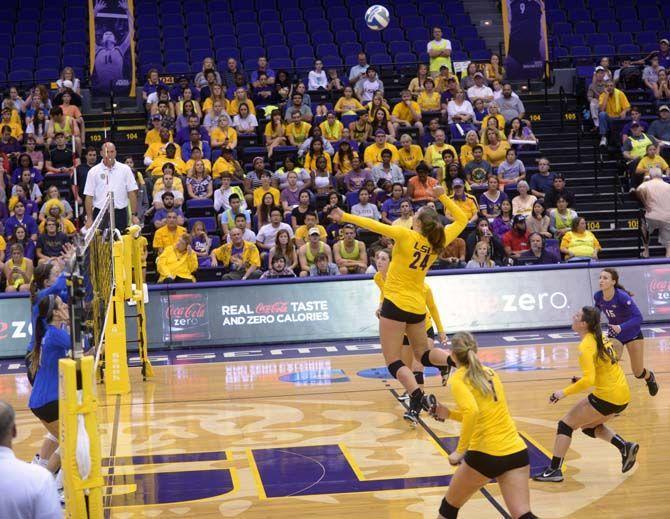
(177,185)
(373,154)
(497,156)
(250,254)
(65,226)
(164,237)
(498,117)
(429,102)
(301,233)
(208,104)
(217,134)
(221,166)
(580,244)
(333,132)
(344,164)
(299,133)
(259,192)
(408,161)
(434,152)
(158,148)
(403,112)
(617,103)
(191,163)
(348,106)
(172,263)
(153,137)
(310,163)
(647,162)
(156,166)
(468,205)
(272,133)
(234,107)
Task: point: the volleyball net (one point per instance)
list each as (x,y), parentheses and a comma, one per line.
(104,274)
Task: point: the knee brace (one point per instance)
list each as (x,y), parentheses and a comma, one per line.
(418,375)
(564,429)
(425,359)
(394,367)
(50,437)
(448,511)
(591,431)
(528,515)
(643,374)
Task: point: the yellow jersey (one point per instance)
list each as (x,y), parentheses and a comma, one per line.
(432,313)
(429,102)
(404,113)
(222,166)
(487,424)
(409,160)
(412,256)
(219,135)
(348,106)
(234,107)
(433,156)
(259,193)
(605,376)
(332,133)
(299,133)
(373,153)
(617,102)
(164,238)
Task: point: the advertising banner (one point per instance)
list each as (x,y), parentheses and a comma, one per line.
(112,47)
(525,33)
(15,327)
(277,313)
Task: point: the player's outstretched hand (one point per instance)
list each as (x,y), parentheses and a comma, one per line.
(336,215)
(438,191)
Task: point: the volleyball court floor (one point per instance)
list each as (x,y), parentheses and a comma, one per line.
(316,431)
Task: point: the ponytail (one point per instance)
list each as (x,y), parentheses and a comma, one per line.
(432,229)
(591,316)
(615,277)
(464,348)
(46,309)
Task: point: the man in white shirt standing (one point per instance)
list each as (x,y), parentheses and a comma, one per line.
(357,72)
(480,90)
(439,50)
(654,194)
(111,175)
(26,491)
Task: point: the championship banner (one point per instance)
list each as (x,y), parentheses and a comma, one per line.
(112,47)
(526,43)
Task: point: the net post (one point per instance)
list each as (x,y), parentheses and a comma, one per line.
(117,381)
(137,274)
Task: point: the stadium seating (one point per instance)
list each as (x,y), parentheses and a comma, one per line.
(294,33)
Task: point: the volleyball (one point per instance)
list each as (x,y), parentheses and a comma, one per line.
(377,17)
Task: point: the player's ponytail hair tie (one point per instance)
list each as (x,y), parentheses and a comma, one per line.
(464,348)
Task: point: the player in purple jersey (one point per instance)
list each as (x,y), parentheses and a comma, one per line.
(624,320)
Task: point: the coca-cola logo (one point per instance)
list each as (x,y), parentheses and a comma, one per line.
(190,311)
(278,307)
(658,285)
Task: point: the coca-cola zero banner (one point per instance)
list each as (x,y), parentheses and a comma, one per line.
(335,310)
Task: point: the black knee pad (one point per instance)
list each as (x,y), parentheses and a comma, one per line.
(418,375)
(643,374)
(564,429)
(448,511)
(591,431)
(425,359)
(529,515)
(394,367)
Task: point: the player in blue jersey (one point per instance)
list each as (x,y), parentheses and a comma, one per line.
(624,320)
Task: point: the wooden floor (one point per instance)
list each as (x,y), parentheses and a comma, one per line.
(314,439)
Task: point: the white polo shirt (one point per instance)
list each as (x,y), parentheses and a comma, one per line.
(26,491)
(119,179)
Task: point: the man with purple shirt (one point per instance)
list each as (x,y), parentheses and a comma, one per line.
(184,135)
(263,68)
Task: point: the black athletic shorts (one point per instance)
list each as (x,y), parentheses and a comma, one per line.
(493,466)
(604,407)
(48,412)
(638,337)
(430,333)
(391,311)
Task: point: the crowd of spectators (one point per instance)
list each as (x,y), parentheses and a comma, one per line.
(327,140)
(41,136)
